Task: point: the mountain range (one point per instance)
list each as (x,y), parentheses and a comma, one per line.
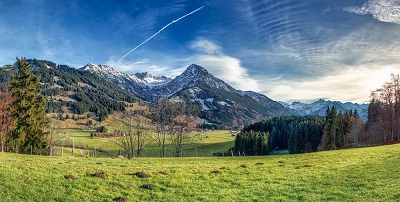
(214,95)
(221,104)
(318,108)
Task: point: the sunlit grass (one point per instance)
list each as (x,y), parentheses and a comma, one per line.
(367,174)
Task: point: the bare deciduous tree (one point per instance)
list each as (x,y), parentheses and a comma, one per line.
(184,130)
(175,121)
(134,134)
(6,123)
(384,111)
(164,113)
(54,137)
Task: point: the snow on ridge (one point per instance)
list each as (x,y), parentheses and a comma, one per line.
(111,73)
(151,88)
(319,107)
(155,81)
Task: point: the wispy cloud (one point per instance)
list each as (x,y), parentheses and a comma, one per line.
(346,68)
(288,49)
(205,46)
(382,10)
(350,84)
(276,78)
(225,67)
(318,60)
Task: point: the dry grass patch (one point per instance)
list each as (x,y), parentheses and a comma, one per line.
(142,175)
(99,175)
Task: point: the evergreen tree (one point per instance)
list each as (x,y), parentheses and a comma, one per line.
(292,142)
(331,126)
(264,143)
(30,118)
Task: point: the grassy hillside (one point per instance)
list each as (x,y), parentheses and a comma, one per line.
(367,174)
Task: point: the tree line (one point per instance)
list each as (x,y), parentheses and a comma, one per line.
(298,134)
(167,124)
(383,125)
(295,133)
(337,130)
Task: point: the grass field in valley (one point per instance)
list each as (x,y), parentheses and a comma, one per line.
(211,142)
(366,174)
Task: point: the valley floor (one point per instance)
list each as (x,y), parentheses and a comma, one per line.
(366,174)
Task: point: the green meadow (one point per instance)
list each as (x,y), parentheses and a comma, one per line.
(364,174)
(208,143)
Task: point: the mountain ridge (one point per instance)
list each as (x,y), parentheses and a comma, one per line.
(319,107)
(221,104)
(215,96)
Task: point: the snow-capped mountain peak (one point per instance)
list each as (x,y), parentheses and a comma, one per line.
(151,88)
(152,80)
(148,87)
(119,77)
(104,71)
(196,70)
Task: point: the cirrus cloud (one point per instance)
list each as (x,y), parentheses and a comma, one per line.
(382,10)
(345,85)
(205,46)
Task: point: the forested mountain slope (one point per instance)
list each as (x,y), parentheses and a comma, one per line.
(70,90)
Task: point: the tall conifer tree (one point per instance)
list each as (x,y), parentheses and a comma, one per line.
(30,118)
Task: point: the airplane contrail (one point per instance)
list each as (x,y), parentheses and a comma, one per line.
(169,24)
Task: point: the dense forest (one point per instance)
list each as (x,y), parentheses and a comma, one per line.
(336,130)
(295,133)
(298,134)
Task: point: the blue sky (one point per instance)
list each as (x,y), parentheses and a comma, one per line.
(286,49)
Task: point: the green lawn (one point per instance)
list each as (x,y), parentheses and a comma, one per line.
(211,142)
(366,174)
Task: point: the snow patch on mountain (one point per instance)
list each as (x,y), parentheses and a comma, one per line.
(203,105)
(152,80)
(224,104)
(148,87)
(319,107)
(210,100)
